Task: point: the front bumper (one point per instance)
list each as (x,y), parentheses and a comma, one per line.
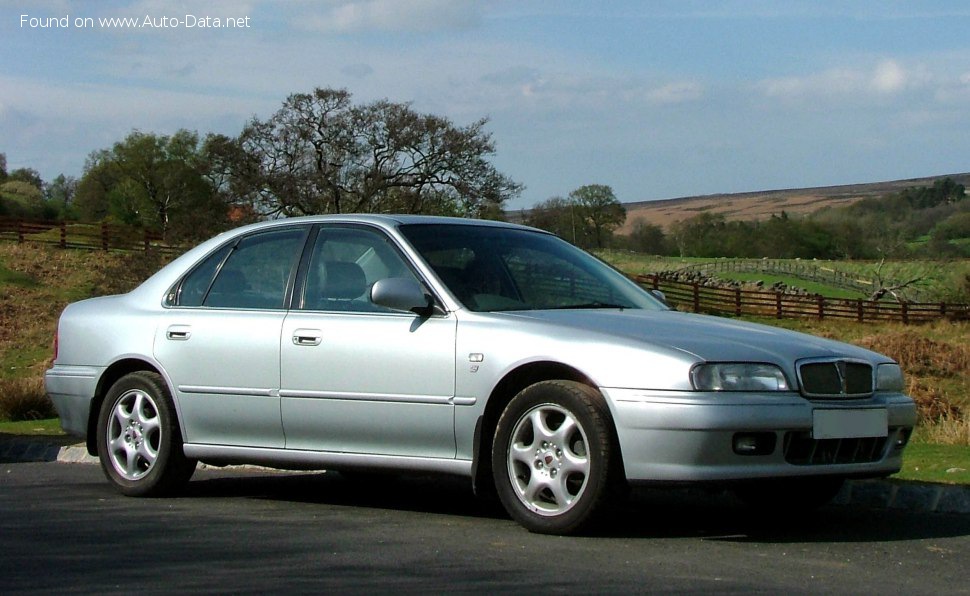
(72,389)
(690,437)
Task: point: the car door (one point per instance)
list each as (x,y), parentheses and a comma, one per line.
(220,341)
(356,377)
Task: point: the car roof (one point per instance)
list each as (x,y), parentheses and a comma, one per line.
(383,220)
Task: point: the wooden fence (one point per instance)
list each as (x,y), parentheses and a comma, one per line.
(735,301)
(99,236)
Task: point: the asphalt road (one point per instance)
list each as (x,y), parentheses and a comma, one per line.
(64,530)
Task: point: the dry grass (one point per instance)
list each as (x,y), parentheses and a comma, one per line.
(24,399)
(936,370)
(946,431)
(920,355)
(45,280)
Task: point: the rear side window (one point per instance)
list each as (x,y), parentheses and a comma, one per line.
(194,287)
(250,274)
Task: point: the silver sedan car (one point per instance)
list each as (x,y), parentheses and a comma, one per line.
(493,351)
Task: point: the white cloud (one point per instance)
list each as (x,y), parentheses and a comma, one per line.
(675,93)
(885,78)
(889,77)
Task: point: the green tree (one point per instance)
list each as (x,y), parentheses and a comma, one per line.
(20,199)
(561,217)
(59,196)
(28,175)
(153,180)
(648,238)
(3,168)
(699,236)
(320,153)
(600,210)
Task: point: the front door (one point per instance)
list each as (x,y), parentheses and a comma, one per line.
(355,377)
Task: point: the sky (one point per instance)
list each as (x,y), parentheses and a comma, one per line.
(657,99)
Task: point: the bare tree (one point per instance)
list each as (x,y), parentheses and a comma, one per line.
(320,153)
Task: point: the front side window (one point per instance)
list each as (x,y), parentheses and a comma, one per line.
(344,263)
(252,273)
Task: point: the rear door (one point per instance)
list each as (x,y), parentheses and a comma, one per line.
(220,341)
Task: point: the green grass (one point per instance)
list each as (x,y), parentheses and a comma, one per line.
(50,427)
(16,278)
(925,462)
(809,286)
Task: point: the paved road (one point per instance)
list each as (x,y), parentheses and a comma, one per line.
(63,529)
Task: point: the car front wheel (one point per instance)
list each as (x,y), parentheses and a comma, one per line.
(139,442)
(553,457)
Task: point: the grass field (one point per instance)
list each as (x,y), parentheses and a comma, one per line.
(939,281)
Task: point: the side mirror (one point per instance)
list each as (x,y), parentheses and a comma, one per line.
(402,294)
(660,296)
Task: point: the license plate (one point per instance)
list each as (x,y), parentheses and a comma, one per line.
(850,424)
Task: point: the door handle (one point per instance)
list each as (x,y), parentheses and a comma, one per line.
(179,332)
(307,337)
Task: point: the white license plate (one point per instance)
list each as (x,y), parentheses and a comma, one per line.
(850,424)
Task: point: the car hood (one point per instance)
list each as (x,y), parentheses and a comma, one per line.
(705,337)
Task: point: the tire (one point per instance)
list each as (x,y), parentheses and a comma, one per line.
(139,441)
(789,495)
(554,460)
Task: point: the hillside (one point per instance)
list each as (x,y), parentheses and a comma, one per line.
(762,204)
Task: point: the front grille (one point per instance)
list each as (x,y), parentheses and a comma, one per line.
(835,378)
(802,450)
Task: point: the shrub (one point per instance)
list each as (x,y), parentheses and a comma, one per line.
(24,399)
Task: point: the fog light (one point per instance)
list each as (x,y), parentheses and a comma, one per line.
(902,437)
(754,443)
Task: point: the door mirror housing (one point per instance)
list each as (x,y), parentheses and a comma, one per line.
(402,294)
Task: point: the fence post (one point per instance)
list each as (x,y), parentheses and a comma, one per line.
(905,311)
(697,297)
(860,311)
(20,232)
(63,234)
(778,310)
(737,302)
(821,307)
(146,240)
(943,310)
(104,235)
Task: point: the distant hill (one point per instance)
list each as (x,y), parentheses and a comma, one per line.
(764,204)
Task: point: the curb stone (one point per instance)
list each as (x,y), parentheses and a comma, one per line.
(874,494)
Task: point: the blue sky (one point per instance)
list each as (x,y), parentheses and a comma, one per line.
(658,99)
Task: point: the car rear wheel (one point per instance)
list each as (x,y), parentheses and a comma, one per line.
(553,457)
(139,442)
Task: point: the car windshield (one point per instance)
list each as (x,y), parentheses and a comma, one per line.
(491,268)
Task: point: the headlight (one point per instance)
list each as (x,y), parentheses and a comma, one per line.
(889,377)
(738,376)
